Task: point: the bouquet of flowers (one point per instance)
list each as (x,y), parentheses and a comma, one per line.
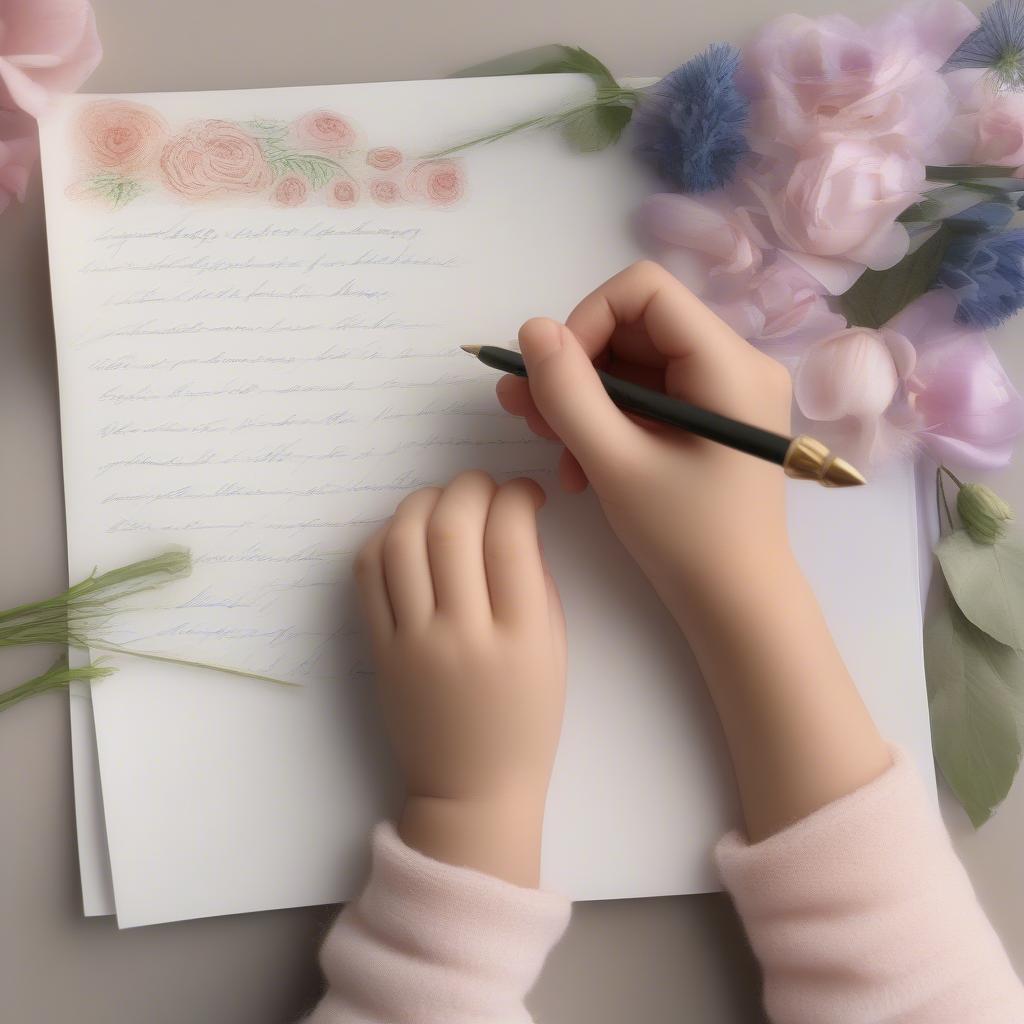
(846,197)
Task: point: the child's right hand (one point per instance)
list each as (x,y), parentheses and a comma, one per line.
(693,513)
(708,526)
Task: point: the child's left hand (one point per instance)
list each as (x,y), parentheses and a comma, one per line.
(469,641)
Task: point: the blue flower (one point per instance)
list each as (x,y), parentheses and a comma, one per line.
(986,274)
(987,216)
(689,126)
(997,44)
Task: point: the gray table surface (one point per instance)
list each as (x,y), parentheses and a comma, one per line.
(651,960)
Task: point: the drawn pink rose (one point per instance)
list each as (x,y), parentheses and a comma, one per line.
(46,47)
(385,192)
(441,182)
(118,135)
(291,190)
(384,157)
(343,193)
(211,158)
(326,131)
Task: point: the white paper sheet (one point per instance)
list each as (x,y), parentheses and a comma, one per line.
(262,384)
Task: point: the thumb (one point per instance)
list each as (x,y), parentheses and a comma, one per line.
(570,396)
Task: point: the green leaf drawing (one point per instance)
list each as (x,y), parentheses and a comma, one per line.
(268,131)
(544,60)
(878,295)
(318,170)
(974,699)
(115,189)
(597,126)
(987,583)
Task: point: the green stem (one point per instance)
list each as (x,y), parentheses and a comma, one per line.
(604,98)
(951,475)
(167,659)
(940,493)
(56,677)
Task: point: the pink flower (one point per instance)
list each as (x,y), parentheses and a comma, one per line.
(720,233)
(960,403)
(46,47)
(441,182)
(385,192)
(211,158)
(326,131)
(18,148)
(715,245)
(829,79)
(842,202)
(291,190)
(781,308)
(384,157)
(117,135)
(923,380)
(343,193)
(852,374)
(988,127)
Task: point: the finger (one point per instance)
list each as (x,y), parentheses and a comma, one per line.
(514,394)
(646,302)
(556,615)
(512,559)
(540,426)
(455,545)
(406,564)
(372,588)
(570,473)
(571,398)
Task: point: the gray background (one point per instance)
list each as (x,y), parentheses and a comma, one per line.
(651,960)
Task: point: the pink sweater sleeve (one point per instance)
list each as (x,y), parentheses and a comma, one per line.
(859,914)
(862,913)
(428,943)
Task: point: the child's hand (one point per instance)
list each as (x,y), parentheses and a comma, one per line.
(708,526)
(469,641)
(695,515)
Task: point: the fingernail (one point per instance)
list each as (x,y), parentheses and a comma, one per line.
(540,338)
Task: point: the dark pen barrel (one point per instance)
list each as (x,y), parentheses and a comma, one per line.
(654,405)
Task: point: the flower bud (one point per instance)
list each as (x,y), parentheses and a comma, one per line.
(983,512)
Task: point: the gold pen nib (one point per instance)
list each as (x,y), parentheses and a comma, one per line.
(809,459)
(473,350)
(839,473)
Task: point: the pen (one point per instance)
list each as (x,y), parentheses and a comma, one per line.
(801,457)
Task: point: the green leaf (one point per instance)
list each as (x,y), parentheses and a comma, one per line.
(597,127)
(974,686)
(115,189)
(965,172)
(948,201)
(265,126)
(878,295)
(318,170)
(987,583)
(544,60)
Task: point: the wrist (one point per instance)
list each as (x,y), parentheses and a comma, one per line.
(730,585)
(498,836)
